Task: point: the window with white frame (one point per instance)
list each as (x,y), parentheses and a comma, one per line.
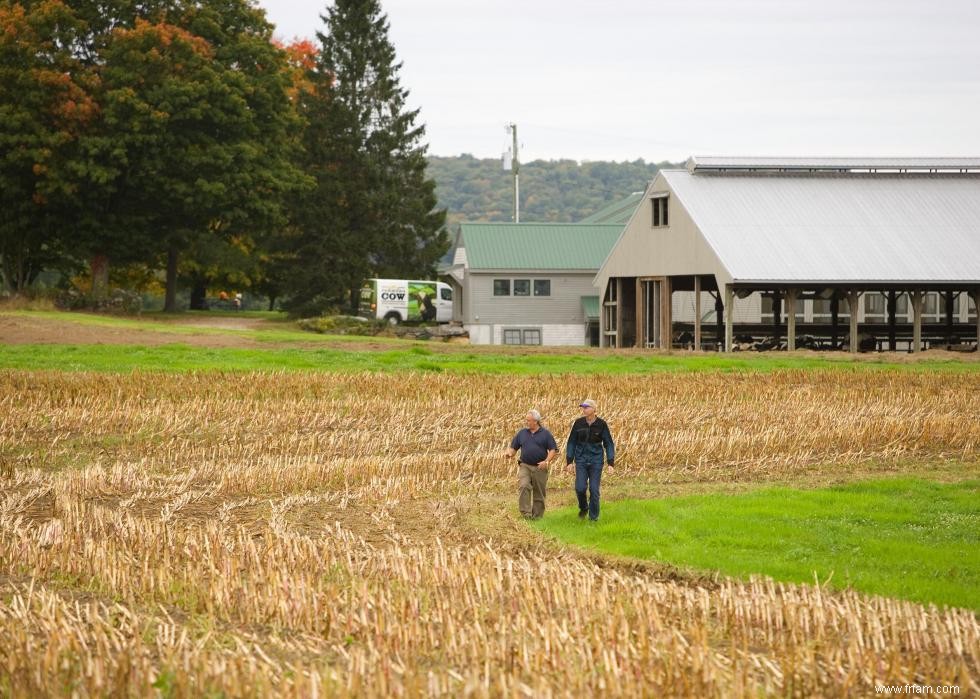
(658,204)
(532,337)
(522,336)
(521,287)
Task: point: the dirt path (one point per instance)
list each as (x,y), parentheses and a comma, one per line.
(23,330)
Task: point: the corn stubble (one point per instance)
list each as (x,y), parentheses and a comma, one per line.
(313,535)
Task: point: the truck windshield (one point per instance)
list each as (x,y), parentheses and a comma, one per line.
(367,307)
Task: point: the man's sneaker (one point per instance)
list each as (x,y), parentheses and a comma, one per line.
(582,513)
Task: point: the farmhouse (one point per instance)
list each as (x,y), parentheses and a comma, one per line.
(879,253)
(529,283)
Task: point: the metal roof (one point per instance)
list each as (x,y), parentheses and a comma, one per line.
(617,212)
(837,228)
(544,246)
(713,163)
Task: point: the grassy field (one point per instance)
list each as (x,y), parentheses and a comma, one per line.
(171,527)
(413,356)
(909,538)
(276,344)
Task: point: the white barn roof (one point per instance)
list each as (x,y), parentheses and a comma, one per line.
(713,163)
(766,226)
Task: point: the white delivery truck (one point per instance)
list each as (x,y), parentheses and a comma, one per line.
(400,300)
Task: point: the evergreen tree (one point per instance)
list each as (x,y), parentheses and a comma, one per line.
(374,210)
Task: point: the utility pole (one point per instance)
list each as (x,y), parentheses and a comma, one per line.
(515,167)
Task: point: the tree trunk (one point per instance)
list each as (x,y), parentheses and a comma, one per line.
(170,302)
(272,302)
(355,299)
(199,294)
(99,266)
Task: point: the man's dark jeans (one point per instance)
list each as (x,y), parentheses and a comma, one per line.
(587,477)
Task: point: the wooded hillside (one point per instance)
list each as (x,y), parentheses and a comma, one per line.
(478,189)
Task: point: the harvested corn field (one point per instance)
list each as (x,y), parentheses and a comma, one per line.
(355,534)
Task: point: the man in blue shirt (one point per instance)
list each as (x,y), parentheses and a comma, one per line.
(537,448)
(589,436)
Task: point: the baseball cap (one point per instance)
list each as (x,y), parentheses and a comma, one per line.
(588,402)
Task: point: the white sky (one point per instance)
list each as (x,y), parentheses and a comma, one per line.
(665,79)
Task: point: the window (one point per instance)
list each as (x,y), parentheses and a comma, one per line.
(874,304)
(659,206)
(522,287)
(532,337)
(902,305)
(931,305)
(768,303)
(446,294)
(824,309)
(522,336)
(821,308)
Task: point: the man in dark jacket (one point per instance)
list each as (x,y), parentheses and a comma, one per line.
(586,442)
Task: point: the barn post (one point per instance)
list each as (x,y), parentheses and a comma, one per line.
(697,312)
(950,303)
(641,316)
(619,312)
(892,308)
(852,307)
(834,319)
(666,313)
(719,319)
(791,319)
(777,316)
(729,318)
(916,297)
(976,306)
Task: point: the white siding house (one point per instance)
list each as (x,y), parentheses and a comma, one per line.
(523,284)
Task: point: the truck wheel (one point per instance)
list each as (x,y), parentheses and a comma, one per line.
(393,318)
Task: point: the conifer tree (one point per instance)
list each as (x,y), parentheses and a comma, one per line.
(373,212)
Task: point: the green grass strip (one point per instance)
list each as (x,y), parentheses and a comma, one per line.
(410,356)
(906,538)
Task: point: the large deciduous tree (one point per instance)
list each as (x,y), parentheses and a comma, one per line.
(136,131)
(46,105)
(373,211)
(210,130)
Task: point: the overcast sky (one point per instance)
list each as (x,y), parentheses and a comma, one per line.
(665,79)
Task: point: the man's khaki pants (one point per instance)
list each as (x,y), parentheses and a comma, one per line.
(532,484)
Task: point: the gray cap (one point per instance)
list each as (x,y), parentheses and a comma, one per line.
(588,402)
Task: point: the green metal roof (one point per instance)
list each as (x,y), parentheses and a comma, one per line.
(590,304)
(537,245)
(617,212)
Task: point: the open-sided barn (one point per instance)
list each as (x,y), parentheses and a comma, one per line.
(886,249)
